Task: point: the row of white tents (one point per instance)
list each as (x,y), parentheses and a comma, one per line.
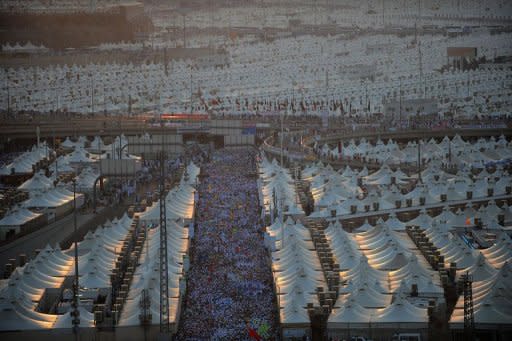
(179,204)
(289,68)
(342,191)
(453,151)
(24,162)
(53,203)
(296,269)
(46,194)
(16,219)
(77,155)
(22,292)
(380,265)
(276,189)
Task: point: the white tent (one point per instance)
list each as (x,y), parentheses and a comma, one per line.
(402,312)
(15,220)
(39,182)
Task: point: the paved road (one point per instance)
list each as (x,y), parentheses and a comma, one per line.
(61,232)
(51,234)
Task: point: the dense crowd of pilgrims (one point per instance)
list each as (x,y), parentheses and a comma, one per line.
(229,289)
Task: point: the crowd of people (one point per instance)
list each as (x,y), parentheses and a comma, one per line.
(230,292)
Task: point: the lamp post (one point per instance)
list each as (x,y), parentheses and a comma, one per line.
(92,92)
(191,91)
(56,164)
(120,133)
(419,161)
(400,99)
(282,135)
(75,313)
(281,221)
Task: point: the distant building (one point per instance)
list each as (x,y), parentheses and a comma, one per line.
(457,55)
(461,52)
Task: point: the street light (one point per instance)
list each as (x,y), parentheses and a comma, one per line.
(281,220)
(400,98)
(75,313)
(282,133)
(183,13)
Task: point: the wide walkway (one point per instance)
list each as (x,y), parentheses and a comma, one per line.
(229,293)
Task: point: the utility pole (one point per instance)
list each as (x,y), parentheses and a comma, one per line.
(469,319)
(75,313)
(58,97)
(191,88)
(210,43)
(419,10)
(92,94)
(420,64)
(184,36)
(164,271)
(383,20)
(281,219)
(120,142)
(450,152)
(400,98)
(415,33)
(56,156)
(104,98)
(316,10)
(366,95)
(419,161)
(282,135)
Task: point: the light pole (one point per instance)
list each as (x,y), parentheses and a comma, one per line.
(367,107)
(191,91)
(7,81)
(419,161)
(56,157)
(92,92)
(75,313)
(281,220)
(120,141)
(400,99)
(282,133)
